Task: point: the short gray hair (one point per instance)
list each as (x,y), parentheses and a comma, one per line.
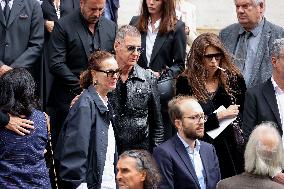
(277,47)
(255,2)
(127,30)
(264,151)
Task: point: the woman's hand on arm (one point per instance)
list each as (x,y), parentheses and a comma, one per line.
(49,25)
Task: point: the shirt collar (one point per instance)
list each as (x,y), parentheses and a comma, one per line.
(275,86)
(255,31)
(197,144)
(156,25)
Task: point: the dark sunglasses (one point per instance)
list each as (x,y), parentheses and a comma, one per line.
(217,56)
(110,73)
(131,48)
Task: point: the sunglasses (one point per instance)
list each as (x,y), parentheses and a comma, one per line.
(132,48)
(110,73)
(217,56)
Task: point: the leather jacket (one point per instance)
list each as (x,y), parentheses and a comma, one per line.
(137,112)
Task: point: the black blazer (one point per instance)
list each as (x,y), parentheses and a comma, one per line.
(260,105)
(68,52)
(168,51)
(21,38)
(177,170)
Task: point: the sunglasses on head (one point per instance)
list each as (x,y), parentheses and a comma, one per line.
(110,73)
(217,56)
(132,48)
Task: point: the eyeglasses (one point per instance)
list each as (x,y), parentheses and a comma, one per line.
(110,73)
(217,56)
(196,118)
(132,49)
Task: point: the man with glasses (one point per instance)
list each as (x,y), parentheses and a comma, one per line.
(72,40)
(135,101)
(186,162)
(250,41)
(265,102)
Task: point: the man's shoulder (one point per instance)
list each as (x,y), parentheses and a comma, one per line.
(274,27)
(259,87)
(108,23)
(69,18)
(230,28)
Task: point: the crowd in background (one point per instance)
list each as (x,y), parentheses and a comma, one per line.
(152,104)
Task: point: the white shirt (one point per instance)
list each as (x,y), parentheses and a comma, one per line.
(196,161)
(108,177)
(150,39)
(280,102)
(3,3)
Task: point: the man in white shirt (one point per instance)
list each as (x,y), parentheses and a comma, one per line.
(265,102)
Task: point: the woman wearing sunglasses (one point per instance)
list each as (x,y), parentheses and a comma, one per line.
(86,147)
(215,81)
(164,45)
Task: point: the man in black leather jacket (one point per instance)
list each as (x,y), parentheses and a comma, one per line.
(136,101)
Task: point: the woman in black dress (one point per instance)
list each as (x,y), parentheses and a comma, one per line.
(215,81)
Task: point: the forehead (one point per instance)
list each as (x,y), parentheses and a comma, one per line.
(109,63)
(242,2)
(132,40)
(96,4)
(211,49)
(191,107)
(127,162)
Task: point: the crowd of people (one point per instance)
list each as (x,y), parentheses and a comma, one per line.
(149,105)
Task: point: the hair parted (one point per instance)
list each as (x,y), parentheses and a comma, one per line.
(195,68)
(264,153)
(145,162)
(17,92)
(95,61)
(168,17)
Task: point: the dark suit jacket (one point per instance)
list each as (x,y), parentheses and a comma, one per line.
(21,39)
(260,105)
(262,65)
(169,50)
(248,181)
(68,52)
(177,169)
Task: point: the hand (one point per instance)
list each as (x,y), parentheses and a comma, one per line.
(157,74)
(19,125)
(279,178)
(75,99)
(49,25)
(4,69)
(231,112)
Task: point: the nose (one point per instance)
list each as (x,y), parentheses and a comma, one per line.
(239,9)
(118,176)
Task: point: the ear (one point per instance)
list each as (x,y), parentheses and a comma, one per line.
(274,61)
(143,176)
(178,123)
(262,7)
(115,45)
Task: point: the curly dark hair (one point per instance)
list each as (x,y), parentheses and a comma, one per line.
(145,162)
(95,61)
(17,92)
(195,69)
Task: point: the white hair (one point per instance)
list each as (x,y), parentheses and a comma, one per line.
(256,2)
(264,153)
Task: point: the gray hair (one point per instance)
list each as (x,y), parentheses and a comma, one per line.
(277,47)
(264,151)
(145,162)
(256,2)
(127,30)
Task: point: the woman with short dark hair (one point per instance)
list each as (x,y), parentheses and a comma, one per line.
(22,157)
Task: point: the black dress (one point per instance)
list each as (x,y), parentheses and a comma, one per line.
(230,157)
